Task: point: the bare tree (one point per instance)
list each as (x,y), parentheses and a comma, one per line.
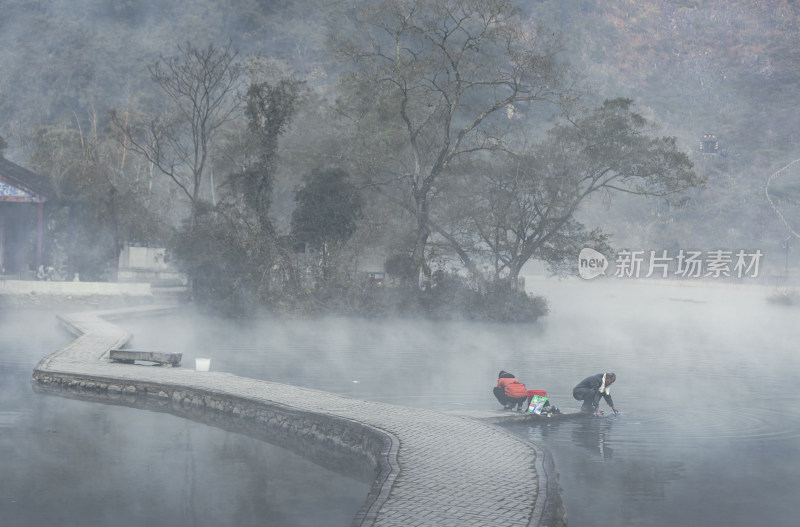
(434,81)
(524,206)
(201,85)
(96,205)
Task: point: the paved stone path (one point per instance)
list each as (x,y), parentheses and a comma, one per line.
(449,470)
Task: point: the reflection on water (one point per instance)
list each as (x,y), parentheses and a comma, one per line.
(75,463)
(709,432)
(593,436)
(708,435)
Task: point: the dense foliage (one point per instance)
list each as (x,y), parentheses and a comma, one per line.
(455,127)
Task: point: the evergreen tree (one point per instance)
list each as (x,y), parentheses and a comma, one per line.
(328,208)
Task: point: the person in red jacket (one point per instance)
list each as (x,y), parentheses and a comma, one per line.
(510,392)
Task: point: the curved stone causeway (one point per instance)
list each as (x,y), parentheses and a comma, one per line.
(428,468)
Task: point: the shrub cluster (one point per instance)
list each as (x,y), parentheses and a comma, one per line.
(447,299)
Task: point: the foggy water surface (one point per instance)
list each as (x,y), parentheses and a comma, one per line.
(74,463)
(709,432)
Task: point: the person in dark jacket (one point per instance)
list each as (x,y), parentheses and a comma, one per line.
(510,392)
(591,389)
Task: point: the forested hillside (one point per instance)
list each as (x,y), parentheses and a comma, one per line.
(61,58)
(728,68)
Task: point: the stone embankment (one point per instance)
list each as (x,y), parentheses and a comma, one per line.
(427,468)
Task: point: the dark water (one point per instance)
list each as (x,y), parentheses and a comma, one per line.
(709,432)
(74,463)
(710,429)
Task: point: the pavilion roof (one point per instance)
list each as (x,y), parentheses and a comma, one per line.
(20,184)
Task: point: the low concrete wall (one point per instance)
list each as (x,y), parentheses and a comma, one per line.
(145,258)
(347,447)
(33,293)
(338,444)
(23,287)
(148,264)
(356,437)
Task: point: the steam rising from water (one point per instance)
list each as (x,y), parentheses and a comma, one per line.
(709,428)
(710,425)
(75,463)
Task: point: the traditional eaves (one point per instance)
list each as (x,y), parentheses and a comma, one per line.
(22,178)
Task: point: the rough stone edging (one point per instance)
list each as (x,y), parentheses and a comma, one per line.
(77,370)
(378,447)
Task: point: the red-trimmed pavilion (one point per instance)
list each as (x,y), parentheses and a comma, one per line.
(22,198)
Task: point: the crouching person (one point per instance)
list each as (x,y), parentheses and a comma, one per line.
(591,389)
(510,392)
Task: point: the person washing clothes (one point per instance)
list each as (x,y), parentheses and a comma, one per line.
(591,389)
(510,392)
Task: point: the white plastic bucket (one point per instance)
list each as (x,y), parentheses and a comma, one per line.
(202,364)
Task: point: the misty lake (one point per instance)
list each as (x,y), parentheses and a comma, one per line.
(74,463)
(709,430)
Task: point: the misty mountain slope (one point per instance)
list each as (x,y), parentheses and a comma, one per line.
(62,59)
(724,67)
